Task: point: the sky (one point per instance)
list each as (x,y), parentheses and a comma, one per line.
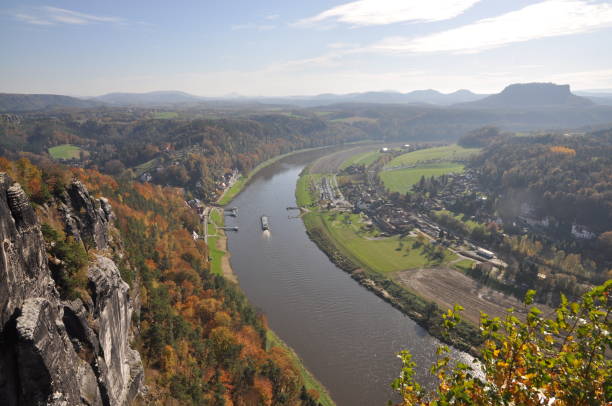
(281,48)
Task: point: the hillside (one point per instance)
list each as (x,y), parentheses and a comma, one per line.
(16,103)
(132,284)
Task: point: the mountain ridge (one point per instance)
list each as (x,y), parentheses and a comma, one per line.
(518,95)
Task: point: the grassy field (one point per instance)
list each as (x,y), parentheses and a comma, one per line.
(215,253)
(147,166)
(464,265)
(366,159)
(382,255)
(165,115)
(401,180)
(309,380)
(65,151)
(302,193)
(446,153)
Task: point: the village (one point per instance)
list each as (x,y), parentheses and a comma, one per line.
(362,194)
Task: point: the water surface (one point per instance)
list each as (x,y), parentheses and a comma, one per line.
(346,335)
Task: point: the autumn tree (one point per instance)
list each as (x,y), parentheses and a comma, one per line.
(563,360)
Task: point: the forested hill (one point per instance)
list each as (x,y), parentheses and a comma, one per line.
(14,103)
(568,178)
(192,153)
(200,340)
(199,148)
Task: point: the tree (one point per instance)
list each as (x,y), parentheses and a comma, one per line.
(539,361)
(114,167)
(605,241)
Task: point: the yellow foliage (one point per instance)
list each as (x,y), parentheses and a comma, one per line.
(558,149)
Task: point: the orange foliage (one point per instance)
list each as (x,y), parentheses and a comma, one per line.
(563,150)
(94,179)
(314,393)
(251,344)
(263,386)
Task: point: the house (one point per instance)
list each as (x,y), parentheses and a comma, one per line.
(485,253)
(146,177)
(581,232)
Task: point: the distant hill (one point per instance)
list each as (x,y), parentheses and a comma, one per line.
(599,97)
(148,99)
(15,103)
(428,96)
(530,95)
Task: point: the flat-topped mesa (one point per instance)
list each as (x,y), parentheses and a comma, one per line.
(532,95)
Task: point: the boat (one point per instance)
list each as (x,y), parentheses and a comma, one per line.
(264,223)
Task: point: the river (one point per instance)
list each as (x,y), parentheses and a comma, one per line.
(347,336)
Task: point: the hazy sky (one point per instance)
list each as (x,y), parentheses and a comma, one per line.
(274,47)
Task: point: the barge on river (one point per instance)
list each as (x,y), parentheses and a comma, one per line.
(265,225)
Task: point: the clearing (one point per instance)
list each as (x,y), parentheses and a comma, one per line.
(402,180)
(65,151)
(164,115)
(446,153)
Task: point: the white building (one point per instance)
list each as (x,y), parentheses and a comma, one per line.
(580,231)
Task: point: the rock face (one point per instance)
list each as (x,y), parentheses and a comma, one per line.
(86,218)
(122,372)
(54,352)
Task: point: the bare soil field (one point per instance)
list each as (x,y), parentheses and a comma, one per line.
(448,287)
(226,267)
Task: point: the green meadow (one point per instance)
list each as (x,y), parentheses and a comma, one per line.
(446,153)
(65,151)
(402,180)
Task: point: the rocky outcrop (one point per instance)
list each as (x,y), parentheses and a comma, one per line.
(54,352)
(46,361)
(86,218)
(120,366)
(23,262)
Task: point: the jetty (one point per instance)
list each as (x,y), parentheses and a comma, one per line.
(229,228)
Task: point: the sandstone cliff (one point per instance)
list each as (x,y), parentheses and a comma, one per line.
(55,352)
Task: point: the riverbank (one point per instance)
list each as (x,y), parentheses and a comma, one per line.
(310,382)
(321,231)
(240,184)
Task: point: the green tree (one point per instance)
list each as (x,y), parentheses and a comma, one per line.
(539,361)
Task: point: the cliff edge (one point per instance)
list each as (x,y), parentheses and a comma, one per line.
(54,351)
